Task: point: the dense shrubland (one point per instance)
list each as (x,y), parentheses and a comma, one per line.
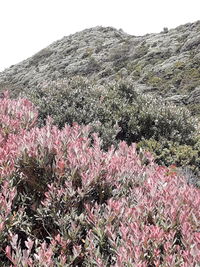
(119,113)
(67,202)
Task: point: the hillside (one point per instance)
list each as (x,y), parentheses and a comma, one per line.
(167,63)
(124,86)
(80,188)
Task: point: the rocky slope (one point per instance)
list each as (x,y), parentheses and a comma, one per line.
(166,63)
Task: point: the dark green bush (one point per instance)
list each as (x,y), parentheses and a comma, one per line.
(116,104)
(152,118)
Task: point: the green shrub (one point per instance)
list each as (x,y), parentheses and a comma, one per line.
(169,153)
(152,118)
(116,104)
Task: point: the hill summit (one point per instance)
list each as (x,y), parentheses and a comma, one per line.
(165,63)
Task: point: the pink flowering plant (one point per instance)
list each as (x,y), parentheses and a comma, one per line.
(66,202)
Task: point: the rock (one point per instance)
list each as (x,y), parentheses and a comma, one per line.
(192,42)
(177,99)
(194,97)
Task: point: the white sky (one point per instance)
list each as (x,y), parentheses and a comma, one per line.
(27,26)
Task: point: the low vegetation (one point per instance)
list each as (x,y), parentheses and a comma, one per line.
(119,113)
(65,201)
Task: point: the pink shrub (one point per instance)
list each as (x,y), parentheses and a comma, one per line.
(16,117)
(66,202)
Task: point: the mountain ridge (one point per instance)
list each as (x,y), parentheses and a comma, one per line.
(166,62)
